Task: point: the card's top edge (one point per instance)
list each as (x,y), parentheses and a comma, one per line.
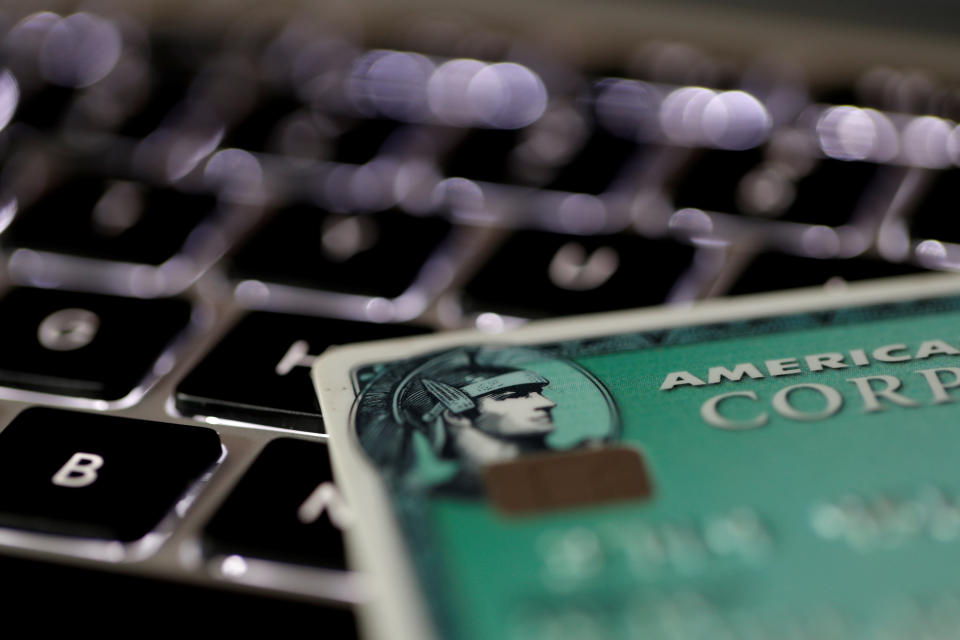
(337,362)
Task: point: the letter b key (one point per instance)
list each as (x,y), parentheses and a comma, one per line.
(97,476)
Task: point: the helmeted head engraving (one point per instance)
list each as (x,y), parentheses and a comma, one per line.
(468,407)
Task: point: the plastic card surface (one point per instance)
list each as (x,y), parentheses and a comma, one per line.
(763,468)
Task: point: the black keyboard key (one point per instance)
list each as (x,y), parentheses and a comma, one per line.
(829,194)
(284,509)
(84,345)
(259,373)
(110,220)
(597,164)
(282,124)
(775,271)
(536,274)
(167,91)
(165,96)
(484,155)
(255,132)
(739,182)
(845,93)
(376,254)
(97,476)
(116,598)
(46,108)
(716,180)
(174,61)
(936,214)
(360,143)
(531,156)
(886,88)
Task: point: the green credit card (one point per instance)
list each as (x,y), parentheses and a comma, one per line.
(750,475)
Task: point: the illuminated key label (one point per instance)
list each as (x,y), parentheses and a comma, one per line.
(79,471)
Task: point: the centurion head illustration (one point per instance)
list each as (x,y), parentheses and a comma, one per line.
(449,414)
(477,414)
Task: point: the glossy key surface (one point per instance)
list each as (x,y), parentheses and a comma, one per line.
(596,165)
(831,193)
(936,214)
(484,154)
(46,107)
(377,254)
(362,140)
(715,179)
(536,274)
(772,271)
(741,182)
(119,599)
(83,345)
(260,130)
(97,476)
(115,220)
(284,508)
(259,373)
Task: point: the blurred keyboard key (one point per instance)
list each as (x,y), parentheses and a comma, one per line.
(45,109)
(113,220)
(362,140)
(716,180)
(375,254)
(600,161)
(536,274)
(830,193)
(282,124)
(936,215)
(484,154)
(106,591)
(529,156)
(774,271)
(166,93)
(285,508)
(260,372)
(167,90)
(173,65)
(263,129)
(886,87)
(97,476)
(83,345)
(741,182)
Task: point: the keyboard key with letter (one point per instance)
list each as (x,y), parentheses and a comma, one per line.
(84,345)
(97,476)
(259,371)
(539,274)
(285,508)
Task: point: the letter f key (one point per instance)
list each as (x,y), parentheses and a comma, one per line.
(79,471)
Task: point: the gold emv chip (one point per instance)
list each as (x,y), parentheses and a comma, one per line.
(588,477)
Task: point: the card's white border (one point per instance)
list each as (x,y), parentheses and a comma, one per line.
(374,541)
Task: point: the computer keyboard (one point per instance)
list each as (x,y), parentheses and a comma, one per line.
(190,217)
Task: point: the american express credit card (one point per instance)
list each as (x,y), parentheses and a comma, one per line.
(783,466)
